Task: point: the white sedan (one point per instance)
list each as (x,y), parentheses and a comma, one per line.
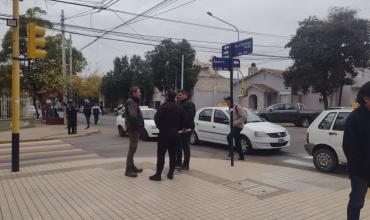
(212,125)
(149,131)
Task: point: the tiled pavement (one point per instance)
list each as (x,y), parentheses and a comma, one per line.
(96,188)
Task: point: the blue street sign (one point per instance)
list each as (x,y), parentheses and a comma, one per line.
(221,63)
(243,47)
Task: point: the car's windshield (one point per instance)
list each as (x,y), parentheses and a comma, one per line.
(148,113)
(251,116)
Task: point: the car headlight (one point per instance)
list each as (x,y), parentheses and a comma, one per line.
(153,127)
(260,134)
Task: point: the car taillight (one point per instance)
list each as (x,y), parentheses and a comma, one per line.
(308,138)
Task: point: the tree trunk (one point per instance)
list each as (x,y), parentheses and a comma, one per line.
(340,95)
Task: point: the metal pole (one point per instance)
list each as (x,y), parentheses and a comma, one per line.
(70,65)
(182,71)
(15,89)
(64,70)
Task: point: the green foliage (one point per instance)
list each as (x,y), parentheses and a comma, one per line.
(116,84)
(165,62)
(327,53)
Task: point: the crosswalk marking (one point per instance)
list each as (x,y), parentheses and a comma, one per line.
(50,150)
(299,162)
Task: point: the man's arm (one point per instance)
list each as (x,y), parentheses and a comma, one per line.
(350,140)
(131,114)
(242,115)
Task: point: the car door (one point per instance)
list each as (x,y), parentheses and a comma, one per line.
(275,113)
(290,113)
(336,135)
(324,131)
(204,124)
(221,126)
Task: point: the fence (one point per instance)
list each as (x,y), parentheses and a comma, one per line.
(26,107)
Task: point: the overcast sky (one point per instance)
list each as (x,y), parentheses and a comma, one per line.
(273,17)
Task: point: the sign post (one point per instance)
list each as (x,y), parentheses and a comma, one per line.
(227,61)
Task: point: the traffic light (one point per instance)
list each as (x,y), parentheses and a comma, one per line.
(35,40)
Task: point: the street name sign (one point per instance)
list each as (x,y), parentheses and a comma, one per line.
(239,48)
(222,63)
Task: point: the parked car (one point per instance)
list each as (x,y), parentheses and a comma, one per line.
(212,125)
(295,113)
(324,139)
(150,130)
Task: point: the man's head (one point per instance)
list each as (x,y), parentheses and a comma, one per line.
(363,95)
(171,95)
(228,101)
(182,95)
(135,92)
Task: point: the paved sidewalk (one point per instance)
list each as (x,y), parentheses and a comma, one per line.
(46,132)
(97,189)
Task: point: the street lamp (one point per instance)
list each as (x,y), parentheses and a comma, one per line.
(237,30)
(231,87)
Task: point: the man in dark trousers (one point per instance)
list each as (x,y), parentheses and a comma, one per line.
(87,113)
(184,136)
(134,124)
(71,117)
(356,146)
(169,119)
(239,117)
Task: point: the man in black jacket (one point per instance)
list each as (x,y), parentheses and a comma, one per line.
(184,136)
(169,119)
(134,124)
(356,146)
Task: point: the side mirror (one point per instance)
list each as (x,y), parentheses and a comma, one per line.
(270,110)
(226,121)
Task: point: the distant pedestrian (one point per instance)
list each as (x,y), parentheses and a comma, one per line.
(96,112)
(102,108)
(184,136)
(71,117)
(356,146)
(87,113)
(239,117)
(169,119)
(134,124)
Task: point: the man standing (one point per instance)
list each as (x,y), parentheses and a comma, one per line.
(134,124)
(356,146)
(184,136)
(169,119)
(87,113)
(96,112)
(71,117)
(239,117)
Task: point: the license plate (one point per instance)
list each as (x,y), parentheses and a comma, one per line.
(280,140)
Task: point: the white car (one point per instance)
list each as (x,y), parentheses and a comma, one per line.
(324,139)
(212,125)
(149,131)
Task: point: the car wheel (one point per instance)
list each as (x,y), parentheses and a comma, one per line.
(194,138)
(121,131)
(144,135)
(325,160)
(246,145)
(305,122)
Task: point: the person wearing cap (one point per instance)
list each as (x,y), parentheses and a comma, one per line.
(239,117)
(169,119)
(356,147)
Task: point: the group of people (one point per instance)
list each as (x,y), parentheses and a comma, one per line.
(175,121)
(72,109)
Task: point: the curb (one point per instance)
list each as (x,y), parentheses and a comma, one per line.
(53,138)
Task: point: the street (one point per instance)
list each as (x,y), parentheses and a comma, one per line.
(109,144)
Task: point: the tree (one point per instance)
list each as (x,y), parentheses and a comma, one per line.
(165,62)
(44,74)
(328,53)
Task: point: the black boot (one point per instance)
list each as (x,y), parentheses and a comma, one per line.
(155,177)
(170,174)
(137,170)
(130,172)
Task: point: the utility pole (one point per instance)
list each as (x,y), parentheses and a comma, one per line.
(182,71)
(15,89)
(70,65)
(64,69)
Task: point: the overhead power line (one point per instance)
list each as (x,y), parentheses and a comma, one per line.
(118,26)
(176,21)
